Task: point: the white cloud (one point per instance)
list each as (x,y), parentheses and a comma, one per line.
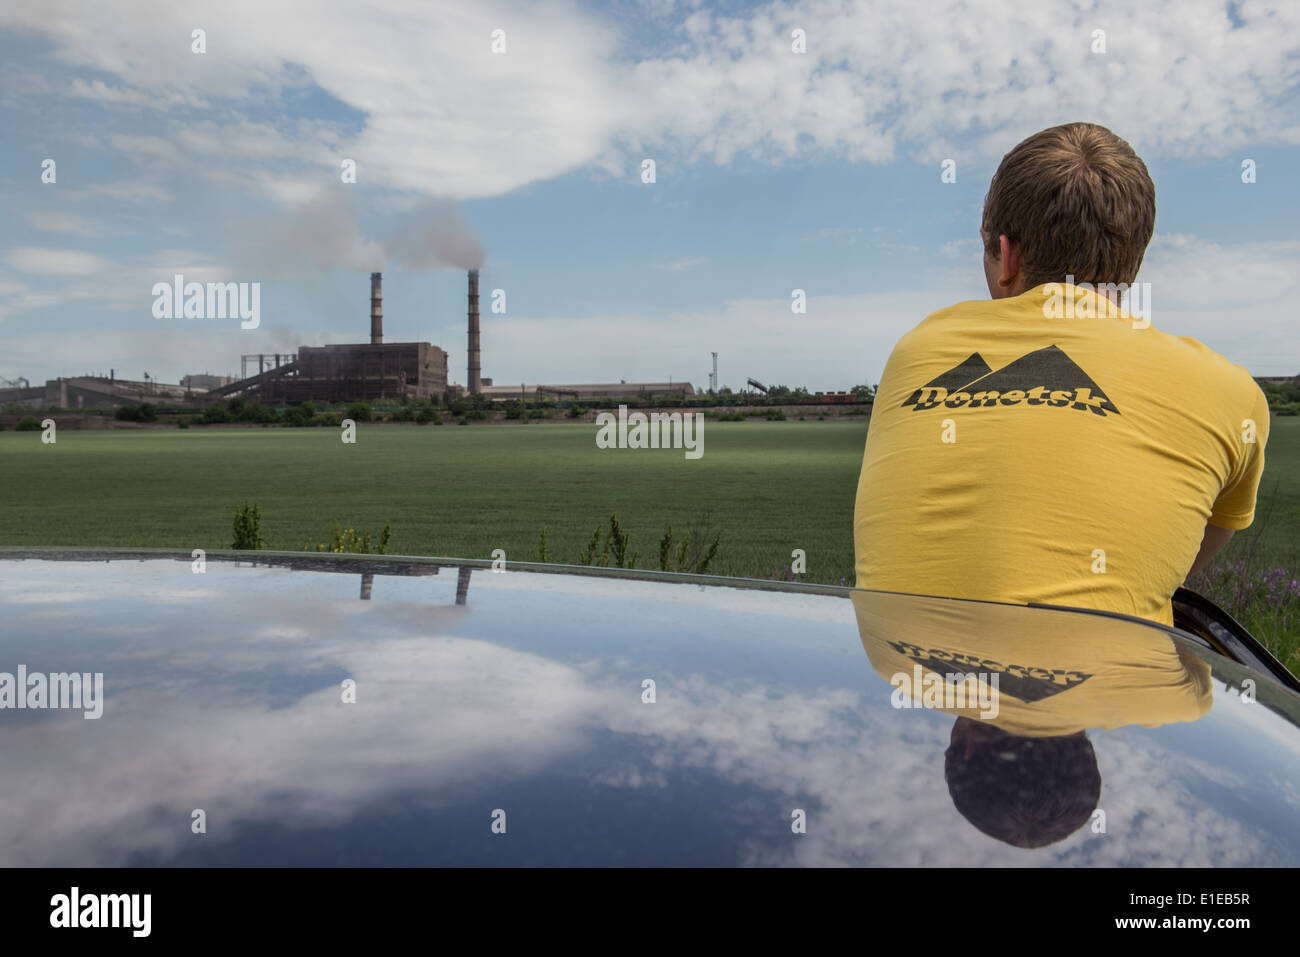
(54,262)
(54,221)
(443,115)
(1238,299)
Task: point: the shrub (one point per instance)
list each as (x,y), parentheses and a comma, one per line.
(692,555)
(576,411)
(332,419)
(615,547)
(426,415)
(254,412)
(248,527)
(359,412)
(216,414)
(347,540)
(514,410)
(1259,588)
(28,424)
(298,416)
(136,413)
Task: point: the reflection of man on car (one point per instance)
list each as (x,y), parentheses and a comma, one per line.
(1045,446)
(1028,775)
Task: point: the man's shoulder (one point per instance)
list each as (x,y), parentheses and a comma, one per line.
(943,319)
(1206,368)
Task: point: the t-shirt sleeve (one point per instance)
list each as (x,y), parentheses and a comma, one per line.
(1235,507)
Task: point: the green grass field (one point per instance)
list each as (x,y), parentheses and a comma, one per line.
(769,487)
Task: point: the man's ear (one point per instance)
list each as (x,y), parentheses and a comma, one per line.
(1010,260)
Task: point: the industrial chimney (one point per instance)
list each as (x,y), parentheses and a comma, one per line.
(475,383)
(376,308)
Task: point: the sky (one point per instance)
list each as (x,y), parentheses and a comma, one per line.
(774,170)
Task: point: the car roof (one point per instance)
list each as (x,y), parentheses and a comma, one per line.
(534,715)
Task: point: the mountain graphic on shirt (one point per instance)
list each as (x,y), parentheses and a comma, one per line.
(1046,377)
(1019,682)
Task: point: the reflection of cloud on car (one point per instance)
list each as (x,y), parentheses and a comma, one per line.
(222,692)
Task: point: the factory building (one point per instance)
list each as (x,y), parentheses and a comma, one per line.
(344,373)
(205,381)
(338,373)
(389,370)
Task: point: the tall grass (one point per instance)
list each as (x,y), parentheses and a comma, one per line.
(1259,587)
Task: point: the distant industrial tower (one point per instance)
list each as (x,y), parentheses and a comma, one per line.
(713,376)
(475,377)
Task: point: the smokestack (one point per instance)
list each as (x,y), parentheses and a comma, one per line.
(475,383)
(376,308)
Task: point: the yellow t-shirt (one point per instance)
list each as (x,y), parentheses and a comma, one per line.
(1057,672)
(1018,457)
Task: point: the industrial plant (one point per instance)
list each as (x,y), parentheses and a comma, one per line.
(330,374)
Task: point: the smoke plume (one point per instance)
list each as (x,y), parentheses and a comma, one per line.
(434,235)
(324,233)
(317,235)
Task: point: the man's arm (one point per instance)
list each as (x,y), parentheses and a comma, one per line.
(1214,540)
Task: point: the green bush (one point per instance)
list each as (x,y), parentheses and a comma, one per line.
(298,416)
(347,540)
(576,411)
(514,409)
(359,412)
(248,527)
(216,414)
(615,548)
(136,413)
(331,419)
(255,413)
(692,555)
(28,424)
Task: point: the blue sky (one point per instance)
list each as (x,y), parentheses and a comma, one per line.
(774,171)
